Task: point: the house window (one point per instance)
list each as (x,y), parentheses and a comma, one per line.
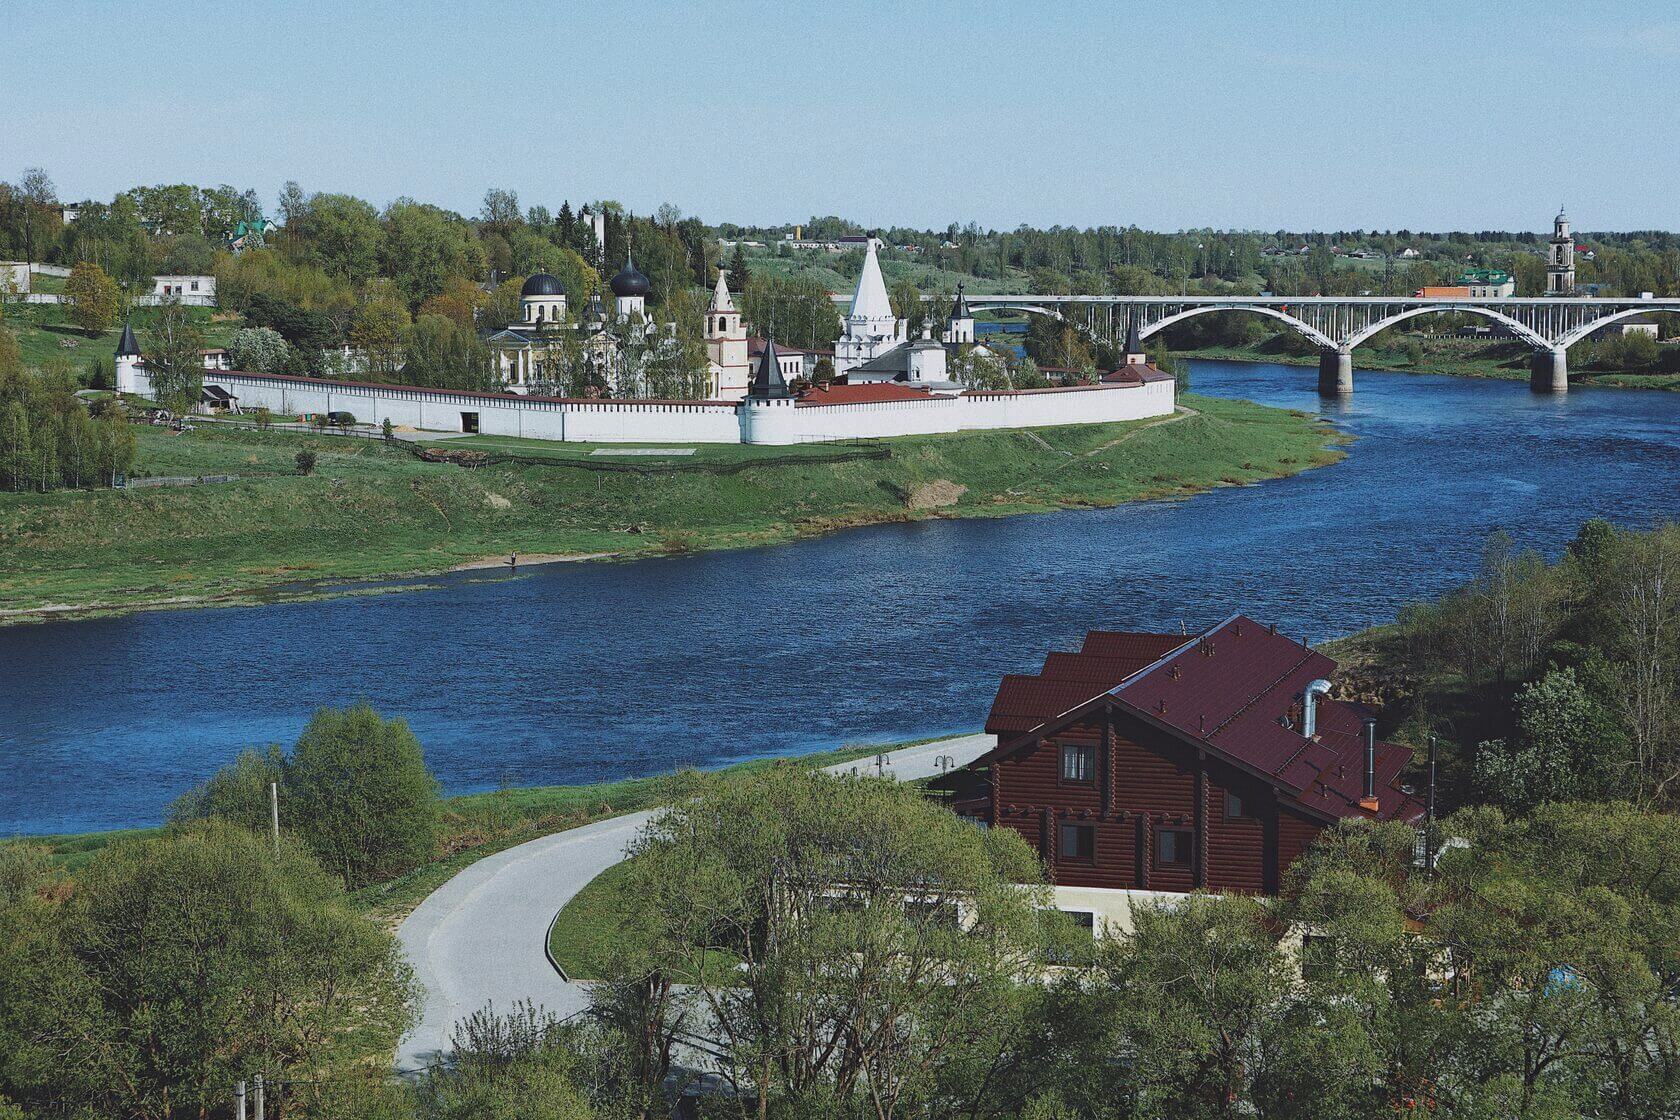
(1079,763)
(1173,847)
(1237,809)
(195,285)
(1079,843)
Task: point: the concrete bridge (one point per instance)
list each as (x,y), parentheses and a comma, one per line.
(1336,324)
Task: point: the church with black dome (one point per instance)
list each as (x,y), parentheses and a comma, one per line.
(546,348)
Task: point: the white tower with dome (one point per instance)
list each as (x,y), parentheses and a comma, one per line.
(1560,261)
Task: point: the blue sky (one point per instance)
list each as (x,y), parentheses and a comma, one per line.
(1418,115)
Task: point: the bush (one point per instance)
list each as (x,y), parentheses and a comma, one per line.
(237,793)
(359,794)
(179,964)
(306,461)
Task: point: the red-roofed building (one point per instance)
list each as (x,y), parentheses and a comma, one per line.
(1166,763)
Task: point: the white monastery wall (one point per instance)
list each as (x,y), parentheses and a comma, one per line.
(772,422)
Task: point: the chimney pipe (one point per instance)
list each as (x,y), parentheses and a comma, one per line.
(1369,801)
(1309,713)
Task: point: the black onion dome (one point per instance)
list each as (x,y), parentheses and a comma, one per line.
(630,281)
(542,284)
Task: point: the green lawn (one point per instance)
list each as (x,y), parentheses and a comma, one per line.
(372,510)
(600,919)
(45,333)
(46,284)
(691,452)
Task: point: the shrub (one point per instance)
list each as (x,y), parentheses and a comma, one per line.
(306,461)
(359,794)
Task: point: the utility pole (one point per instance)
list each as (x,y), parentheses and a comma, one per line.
(1429,814)
(274,825)
(259,1096)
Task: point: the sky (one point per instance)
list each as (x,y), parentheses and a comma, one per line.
(1418,115)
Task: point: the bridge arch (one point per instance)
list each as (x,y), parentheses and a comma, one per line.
(1029,308)
(1537,341)
(1314,335)
(1582,331)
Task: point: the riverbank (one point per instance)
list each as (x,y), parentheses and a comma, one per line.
(1496,359)
(373,512)
(477,825)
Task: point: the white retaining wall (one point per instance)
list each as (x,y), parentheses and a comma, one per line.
(779,422)
(783,422)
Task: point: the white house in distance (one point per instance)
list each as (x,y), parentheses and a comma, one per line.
(190,291)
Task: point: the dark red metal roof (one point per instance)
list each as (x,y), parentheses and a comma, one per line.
(1235,689)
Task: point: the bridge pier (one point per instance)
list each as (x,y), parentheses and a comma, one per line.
(1550,371)
(1335,372)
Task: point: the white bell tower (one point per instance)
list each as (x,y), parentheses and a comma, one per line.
(726,343)
(1560,261)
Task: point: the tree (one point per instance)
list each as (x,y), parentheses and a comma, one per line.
(175,358)
(740,276)
(378,332)
(257,350)
(1645,608)
(907,304)
(184,962)
(796,311)
(424,246)
(340,232)
(360,795)
(442,354)
(1551,756)
(500,209)
(1198,986)
(95,299)
(37,194)
(878,937)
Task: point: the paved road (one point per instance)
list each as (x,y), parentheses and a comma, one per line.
(480,937)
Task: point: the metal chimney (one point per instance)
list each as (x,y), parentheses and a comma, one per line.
(1309,714)
(1369,801)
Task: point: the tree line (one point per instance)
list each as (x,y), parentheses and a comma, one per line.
(48,439)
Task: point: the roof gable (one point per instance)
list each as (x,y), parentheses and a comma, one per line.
(1234,691)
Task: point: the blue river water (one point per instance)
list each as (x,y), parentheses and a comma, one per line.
(582,672)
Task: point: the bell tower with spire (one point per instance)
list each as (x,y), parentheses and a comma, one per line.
(1560,260)
(726,343)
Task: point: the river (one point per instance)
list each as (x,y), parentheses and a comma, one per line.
(582,672)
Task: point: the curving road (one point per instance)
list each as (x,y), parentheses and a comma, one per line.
(482,937)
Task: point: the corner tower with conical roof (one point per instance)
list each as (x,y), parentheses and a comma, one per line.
(726,344)
(959,327)
(127,364)
(871,327)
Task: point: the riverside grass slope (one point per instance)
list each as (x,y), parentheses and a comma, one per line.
(373,511)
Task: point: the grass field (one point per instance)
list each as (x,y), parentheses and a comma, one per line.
(372,511)
(45,333)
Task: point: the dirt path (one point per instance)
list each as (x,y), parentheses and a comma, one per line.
(1180,412)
